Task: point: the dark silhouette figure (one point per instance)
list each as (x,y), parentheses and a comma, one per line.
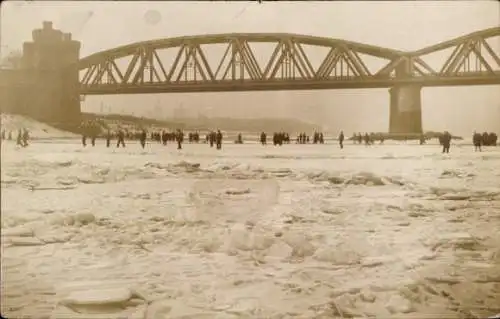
(22,137)
(278,138)
(239,139)
(83,128)
(26,137)
(484,138)
(315,137)
(422,139)
(92,130)
(476,140)
(142,138)
(492,140)
(263,138)
(121,139)
(194,137)
(108,138)
(341,139)
(367,139)
(211,138)
(301,138)
(164,137)
(180,138)
(218,139)
(446,139)
(286,138)
(19,140)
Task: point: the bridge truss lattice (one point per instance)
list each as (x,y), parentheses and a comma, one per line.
(244,62)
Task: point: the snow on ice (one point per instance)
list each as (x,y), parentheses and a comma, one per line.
(392,230)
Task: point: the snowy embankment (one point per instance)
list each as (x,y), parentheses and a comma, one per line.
(12,123)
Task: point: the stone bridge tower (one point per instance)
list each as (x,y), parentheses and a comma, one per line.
(51,59)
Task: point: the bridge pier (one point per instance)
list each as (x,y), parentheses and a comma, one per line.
(405,107)
(405,110)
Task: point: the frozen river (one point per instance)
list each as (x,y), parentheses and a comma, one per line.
(299,231)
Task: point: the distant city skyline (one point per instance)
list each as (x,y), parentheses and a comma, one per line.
(404,25)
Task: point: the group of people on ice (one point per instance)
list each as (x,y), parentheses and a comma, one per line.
(368,139)
(485,139)
(92,130)
(22,138)
(215,138)
(280,138)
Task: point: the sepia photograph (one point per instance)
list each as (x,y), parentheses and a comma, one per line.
(250,159)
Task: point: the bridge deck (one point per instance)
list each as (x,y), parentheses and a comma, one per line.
(283,85)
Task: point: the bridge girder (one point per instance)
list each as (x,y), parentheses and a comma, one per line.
(344,66)
(130,49)
(470,54)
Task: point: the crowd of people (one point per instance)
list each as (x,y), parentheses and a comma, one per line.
(92,130)
(215,138)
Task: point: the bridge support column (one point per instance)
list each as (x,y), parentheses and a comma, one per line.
(405,109)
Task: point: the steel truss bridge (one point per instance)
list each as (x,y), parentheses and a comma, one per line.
(234,62)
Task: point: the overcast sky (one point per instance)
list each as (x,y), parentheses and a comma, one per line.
(405,25)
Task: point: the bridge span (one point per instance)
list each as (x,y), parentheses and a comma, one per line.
(237,62)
